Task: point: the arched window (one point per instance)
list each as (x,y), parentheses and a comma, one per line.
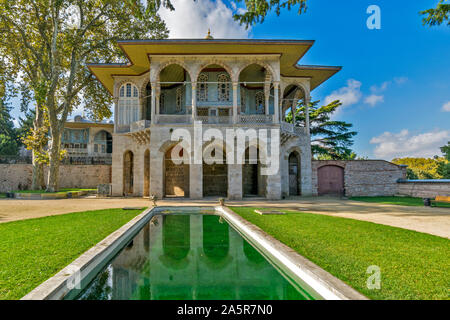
(223,87)
(179,99)
(202,87)
(128,104)
(259,102)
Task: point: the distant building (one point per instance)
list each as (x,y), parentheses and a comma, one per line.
(87,141)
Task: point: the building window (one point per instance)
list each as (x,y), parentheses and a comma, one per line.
(179,99)
(128,104)
(202,87)
(223,87)
(259,102)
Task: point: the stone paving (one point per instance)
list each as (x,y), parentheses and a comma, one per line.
(435,221)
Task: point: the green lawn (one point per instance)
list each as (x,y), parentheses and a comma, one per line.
(2,195)
(64,190)
(33,250)
(404,201)
(413,265)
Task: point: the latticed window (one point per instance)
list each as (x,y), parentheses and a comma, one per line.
(202,87)
(223,87)
(259,102)
(128,104)
(179,99)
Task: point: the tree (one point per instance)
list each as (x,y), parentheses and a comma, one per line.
(330,139)
(49,41)
(256,10)
(444,166)
(8,138)
(438,15)
(446,150)
(424,168)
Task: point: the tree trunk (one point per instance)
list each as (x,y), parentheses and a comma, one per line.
(53,170)
(37,182)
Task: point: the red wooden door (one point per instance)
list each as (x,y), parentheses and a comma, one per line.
(330,180)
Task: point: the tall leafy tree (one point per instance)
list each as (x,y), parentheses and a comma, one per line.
(8,139)
(49,43)
(330,139)
(438,15)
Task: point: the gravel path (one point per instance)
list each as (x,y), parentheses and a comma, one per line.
(423,219)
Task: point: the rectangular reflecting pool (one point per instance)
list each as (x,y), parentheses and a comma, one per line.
(190,256)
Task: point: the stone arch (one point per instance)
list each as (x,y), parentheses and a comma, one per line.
(162,66)
(298,88)
(260,63)
(217,62)
(120,83)
(128,172)
(292,149)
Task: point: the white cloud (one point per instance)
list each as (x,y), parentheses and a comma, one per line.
(403,144)
(191,19)
(381,88)
(373,99)
(348,95)
(446,106)
(400,80)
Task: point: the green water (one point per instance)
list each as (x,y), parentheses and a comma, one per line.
(189,257)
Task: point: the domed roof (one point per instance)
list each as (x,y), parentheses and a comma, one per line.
(209,36)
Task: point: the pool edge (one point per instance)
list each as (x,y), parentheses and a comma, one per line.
(325,284)
(59,285)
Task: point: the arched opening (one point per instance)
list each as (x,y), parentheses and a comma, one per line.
(330,180)
(215,173)
(176,175)
(103,142)
(292,99)
(146,173)
(128,173)
(294,174)
(255,91)
(174,96)
(214,94)
(253,183)
(128,106)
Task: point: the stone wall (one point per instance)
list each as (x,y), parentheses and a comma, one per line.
(18,176)
(364,177)
(424,188)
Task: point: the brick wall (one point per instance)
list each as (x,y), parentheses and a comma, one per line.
(424,189)
(364,177)
(18,176)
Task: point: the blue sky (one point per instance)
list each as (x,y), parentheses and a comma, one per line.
(403,69)
(409,61)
